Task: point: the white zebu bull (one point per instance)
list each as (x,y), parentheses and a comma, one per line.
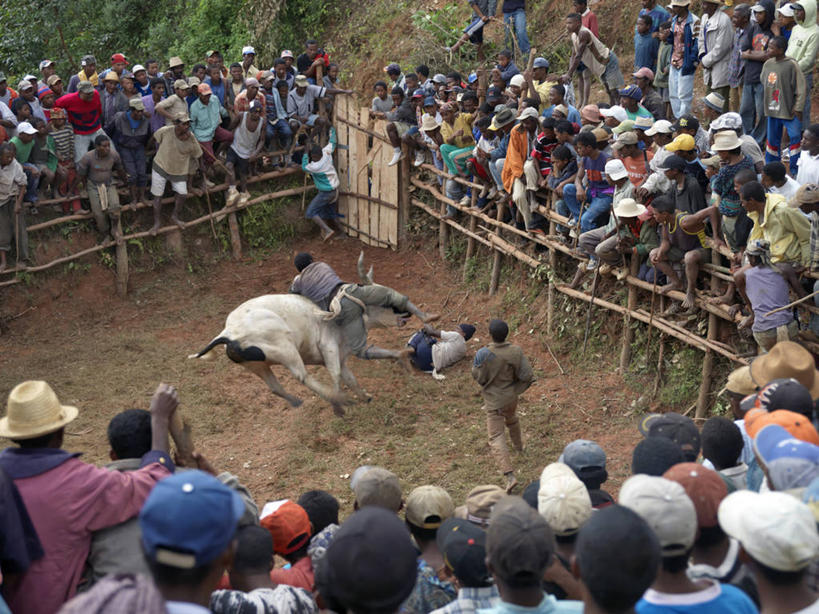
(290,330)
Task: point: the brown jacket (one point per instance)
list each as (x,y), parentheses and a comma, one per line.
(503,375)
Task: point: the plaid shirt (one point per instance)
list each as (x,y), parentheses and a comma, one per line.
(814,241)
(470,600)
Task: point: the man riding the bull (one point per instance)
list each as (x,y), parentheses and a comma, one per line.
(320,283)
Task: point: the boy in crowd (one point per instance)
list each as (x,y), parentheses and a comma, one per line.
(784,99)
(646,44)
(289,525)
(809,159)
(319,164)
(616,560)
(591,167)
(775,180)
(723,447)
(588,461)
(12,190)
(669,511)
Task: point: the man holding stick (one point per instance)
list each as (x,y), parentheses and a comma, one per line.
(12,221)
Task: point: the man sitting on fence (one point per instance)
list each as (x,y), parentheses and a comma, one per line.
(96,170)
(591,169)
(683,240)
(176,149)
(319,163)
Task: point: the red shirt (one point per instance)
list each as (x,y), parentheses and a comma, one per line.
(299,575)
(84,116)
(589,20)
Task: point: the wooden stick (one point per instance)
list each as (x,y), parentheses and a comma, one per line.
(557,362)
(651,315)
(591,303)
(17,212)
(793,304)
(210,209)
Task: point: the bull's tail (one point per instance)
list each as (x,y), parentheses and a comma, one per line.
(206,352)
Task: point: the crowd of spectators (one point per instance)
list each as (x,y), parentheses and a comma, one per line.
(721,518)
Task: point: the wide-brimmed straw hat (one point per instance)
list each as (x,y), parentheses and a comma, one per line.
(34,410)
(628,207)
(787,359)
(726,141)
(429,123)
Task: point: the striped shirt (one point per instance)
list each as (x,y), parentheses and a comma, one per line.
(64,139)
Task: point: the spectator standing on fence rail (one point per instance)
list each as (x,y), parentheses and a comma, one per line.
(176,149)
(84,111)
(131,131)
(503,373)
(96,169)
(12,188)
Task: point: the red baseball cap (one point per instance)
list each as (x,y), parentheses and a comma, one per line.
(288,523)
(796,424)
(118,57)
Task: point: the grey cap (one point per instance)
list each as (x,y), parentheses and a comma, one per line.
(583,454)
(85,87)
(88,59)
(541,63)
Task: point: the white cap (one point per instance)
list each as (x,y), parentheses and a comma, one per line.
(661,126)
(517,80)
(26,128)
(617,112)
(528,112)
(248,49)
(138,67)
(616,169)
(775,528)
(666,508)
(786,10)
(563,499)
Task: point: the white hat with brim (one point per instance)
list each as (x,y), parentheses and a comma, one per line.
(628,207)
(34,410)
(528,113)
(714,101)
(428,123)
(26,128)
(138,67)
(786,10)
(617,112)
(726,141)
(616,169)
(680,3)
(774,528)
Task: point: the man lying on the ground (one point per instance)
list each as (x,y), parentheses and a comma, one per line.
(434,350)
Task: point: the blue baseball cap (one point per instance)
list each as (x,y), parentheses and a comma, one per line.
(773,442)
(541,63)
(429,101)
(189,519)
(473,76)
(419,93)
(632,91)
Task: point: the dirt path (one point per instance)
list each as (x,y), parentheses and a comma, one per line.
(104,355)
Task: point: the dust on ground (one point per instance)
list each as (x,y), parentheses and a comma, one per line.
(105,354)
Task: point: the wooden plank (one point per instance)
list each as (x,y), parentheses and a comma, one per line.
(343,155)
(380,156)
(352,136)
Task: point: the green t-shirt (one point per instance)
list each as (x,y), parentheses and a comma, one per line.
(23,150)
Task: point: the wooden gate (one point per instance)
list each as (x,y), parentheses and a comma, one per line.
(368,191)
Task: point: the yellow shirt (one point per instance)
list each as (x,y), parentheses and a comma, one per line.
(787,229)
(463,121)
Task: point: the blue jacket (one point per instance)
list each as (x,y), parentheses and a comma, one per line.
(690,55)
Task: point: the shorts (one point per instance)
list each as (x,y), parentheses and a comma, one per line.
(612,78)
(736,229)
(476,38)
(403,128)
(158,185)
(675,254)
(242,165)
(766,339)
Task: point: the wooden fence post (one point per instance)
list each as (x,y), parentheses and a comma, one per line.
(628,331)
(550,289)
(703,403)
(235,237)
(403,198)
(122,261)
(497,259)
(470,242)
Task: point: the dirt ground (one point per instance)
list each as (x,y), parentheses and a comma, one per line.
(104,354)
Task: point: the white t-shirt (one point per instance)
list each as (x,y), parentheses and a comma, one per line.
(448,350)
(811,609)
(788,190)
(303,105)
(808,169)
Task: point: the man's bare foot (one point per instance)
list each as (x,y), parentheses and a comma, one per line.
(690,301)
(431,317)
(746,322)
(669,287)
(178,222)
(154,229)
(724,299)
(328,236)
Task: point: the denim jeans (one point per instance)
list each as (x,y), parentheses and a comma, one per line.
(752,112)
(454,191)
(516,21)
(280,128)
(496,169)
(598,205)
(32,181)
(680,92)
(772,146)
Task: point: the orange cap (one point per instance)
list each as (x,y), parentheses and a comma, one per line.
(796,424)
(289,525)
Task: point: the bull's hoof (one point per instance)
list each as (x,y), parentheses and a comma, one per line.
(338,410)
(294,402)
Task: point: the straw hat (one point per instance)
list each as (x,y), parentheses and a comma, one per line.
(786,359)
(726,141)
(628,207)
(428,123)
(33,410)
